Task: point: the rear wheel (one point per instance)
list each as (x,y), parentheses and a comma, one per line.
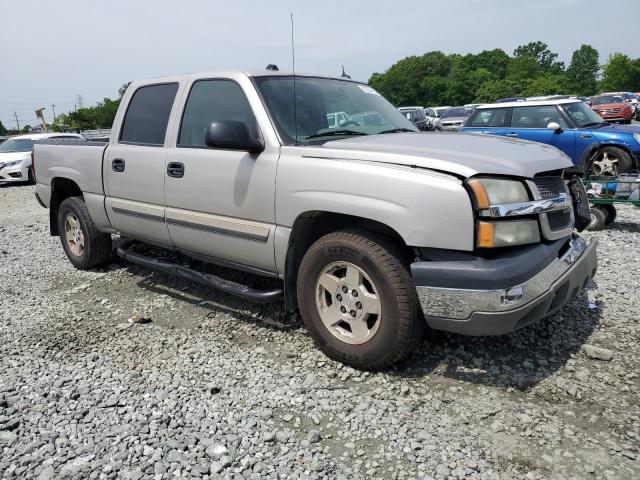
(598,219)
(610,212)
(358,301)
(85,246)
(611,162)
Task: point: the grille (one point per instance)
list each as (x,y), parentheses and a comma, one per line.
(550,187)
(559,220)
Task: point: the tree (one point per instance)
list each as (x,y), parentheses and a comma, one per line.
(123,89)
(25,129)
(545,85)
(495,89)
(620,73)
(3,130)
(546,60)
(583,71)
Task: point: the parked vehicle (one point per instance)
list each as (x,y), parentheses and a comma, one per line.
(453,118)
(15,156)
(369,229)
(613,108)
(593,145)
(510,99)
(415,115)
(2,139)
(433,114)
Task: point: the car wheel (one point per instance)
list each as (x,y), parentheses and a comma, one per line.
(598,219)
(85,246)
(610,162)
(610,213)
(358,301)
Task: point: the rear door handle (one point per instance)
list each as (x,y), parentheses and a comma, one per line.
(175,169)
(117,165)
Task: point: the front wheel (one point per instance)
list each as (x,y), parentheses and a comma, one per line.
(611,162)
(85,246)
(358,301)
(598,219)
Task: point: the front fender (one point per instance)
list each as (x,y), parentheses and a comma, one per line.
(426,208)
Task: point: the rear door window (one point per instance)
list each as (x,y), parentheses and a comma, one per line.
(145,122)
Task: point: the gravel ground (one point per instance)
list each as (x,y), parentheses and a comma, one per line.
(214,387)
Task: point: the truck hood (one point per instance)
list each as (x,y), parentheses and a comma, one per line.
(463,154)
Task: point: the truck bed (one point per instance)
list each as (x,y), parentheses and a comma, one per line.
(77,160)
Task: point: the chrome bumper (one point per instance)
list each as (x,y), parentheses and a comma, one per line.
(488,312)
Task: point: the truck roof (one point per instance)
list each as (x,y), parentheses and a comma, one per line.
(231,73)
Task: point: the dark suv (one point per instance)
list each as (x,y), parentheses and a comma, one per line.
(416,116)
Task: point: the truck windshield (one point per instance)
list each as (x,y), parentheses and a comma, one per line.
(16,145)
(364,111)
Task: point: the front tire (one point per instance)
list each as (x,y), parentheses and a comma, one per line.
(85,246)
(598,219)
(610,162)
(358,301)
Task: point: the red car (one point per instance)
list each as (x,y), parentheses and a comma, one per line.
(613,108)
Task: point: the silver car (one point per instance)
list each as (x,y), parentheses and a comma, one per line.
(453,119)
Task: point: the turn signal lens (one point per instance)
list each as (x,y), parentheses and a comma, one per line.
(480,194)
(505,234)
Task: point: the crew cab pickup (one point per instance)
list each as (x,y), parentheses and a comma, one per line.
(372,229)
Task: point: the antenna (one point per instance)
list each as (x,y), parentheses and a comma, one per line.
(293,65)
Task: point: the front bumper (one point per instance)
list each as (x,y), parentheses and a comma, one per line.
(495,311)
(16,173)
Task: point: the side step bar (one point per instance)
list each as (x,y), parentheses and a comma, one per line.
(212,281)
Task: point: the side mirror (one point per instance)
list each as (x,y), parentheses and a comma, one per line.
(232,135)
(555,127)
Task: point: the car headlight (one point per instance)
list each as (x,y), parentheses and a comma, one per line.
(637,137)
(496,191)
(507,233)
(10,164)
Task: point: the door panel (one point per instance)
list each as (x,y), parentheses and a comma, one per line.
(530,123)
(223,204)
(135,196)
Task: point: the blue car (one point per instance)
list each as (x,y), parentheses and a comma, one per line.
(596,147)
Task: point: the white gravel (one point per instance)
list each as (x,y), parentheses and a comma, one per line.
(215,387)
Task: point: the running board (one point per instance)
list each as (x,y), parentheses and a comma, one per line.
(213,281)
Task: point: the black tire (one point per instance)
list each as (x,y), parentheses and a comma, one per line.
(610,212)
(30,178)
(97,245)
(598,219)
(401,321)
(625,163)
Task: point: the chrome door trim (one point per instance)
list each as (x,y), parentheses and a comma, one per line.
(234,227)
(138,209)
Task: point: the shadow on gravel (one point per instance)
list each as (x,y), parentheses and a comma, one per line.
(518,360)
(625,227)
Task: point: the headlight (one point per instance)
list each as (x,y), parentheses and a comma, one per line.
(637,137)
(503,234)
(13,163)
(495,191)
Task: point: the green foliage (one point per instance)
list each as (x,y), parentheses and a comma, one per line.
(438,79)
(583,71)
(620,73)
(98,116)
(3,130)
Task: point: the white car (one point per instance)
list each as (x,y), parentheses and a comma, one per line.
(15,155)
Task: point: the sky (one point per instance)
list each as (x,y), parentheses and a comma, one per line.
(53,51)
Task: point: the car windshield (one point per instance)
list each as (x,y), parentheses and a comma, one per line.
(582,115)
(365,111)
(608,99)
(16,145)
(457,112)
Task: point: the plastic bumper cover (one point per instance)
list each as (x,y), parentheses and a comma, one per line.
(498,311)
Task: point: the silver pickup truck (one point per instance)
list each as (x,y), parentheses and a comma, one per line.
(373,230)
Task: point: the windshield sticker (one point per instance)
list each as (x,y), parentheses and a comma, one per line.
(368,89)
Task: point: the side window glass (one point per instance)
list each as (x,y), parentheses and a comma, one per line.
(489,118)
(536,117)
(148,115)
(213,101)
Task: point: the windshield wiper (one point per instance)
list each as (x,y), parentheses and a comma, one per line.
(396,130)
(336,132)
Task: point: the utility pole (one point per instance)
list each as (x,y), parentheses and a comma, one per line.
(80,102)
(53,107)
(15,115)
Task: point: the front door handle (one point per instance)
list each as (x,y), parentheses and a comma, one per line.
(117,165)
(175,169)
(512,134)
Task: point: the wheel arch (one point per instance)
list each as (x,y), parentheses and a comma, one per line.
(61,189)
(310,226)
(594,148)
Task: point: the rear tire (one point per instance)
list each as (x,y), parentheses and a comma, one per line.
(610,212)
(85,246)
(598,219)
(344,262)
